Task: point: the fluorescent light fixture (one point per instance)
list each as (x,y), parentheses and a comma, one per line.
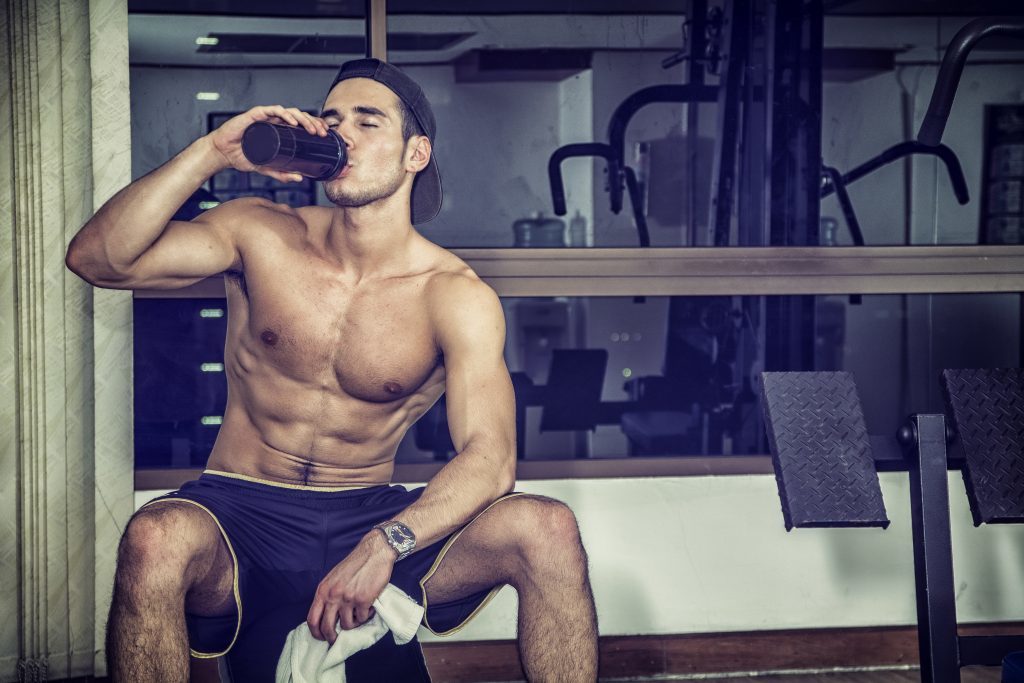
(207,40)
(208,205)
(212,420)
(212,367)
(211,313)
(208,96)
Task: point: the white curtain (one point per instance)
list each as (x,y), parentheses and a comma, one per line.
(65,349)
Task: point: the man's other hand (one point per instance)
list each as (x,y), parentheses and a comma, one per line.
(347,593)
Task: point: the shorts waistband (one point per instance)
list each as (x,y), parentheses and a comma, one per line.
(291,487)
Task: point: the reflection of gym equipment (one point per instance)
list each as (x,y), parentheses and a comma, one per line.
(767,177)
(679,411)
(948,79)
(837,183)
(619,174)
(929,136)
(693,403)
(769,84)
(827,477)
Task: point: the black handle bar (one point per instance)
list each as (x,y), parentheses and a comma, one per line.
(948,157)
(582,149)
(953,61)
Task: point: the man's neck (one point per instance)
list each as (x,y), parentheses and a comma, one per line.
(371,241)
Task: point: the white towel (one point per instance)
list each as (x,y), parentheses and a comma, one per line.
(305,659)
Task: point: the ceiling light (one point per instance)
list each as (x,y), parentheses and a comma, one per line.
(211,96)
(207,40)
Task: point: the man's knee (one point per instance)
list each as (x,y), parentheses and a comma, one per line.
(161,547)
(546,529)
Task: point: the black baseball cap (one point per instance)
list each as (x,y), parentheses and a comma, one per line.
(426,188)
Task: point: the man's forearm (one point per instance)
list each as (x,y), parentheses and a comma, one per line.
(133,219)
(466,485)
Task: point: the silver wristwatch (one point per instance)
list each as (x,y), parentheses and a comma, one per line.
(399,536)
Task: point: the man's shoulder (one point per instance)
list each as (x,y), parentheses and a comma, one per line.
(455,291)
(249,212)
(255,205)
(451,277)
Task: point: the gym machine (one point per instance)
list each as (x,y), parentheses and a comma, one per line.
(826,467)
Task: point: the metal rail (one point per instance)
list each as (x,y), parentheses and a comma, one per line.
(728,271)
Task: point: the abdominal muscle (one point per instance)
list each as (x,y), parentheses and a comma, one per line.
(283,431)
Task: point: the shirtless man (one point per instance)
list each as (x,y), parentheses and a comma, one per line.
(345,325)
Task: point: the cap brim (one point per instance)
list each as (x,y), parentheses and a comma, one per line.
(426,194)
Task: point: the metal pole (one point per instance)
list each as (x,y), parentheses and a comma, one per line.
(377,29)
(697,43)
(924,438)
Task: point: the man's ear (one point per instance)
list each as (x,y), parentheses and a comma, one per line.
(418,154)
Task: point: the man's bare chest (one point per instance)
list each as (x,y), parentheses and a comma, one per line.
(373,342)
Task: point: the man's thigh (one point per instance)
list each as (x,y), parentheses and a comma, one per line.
(488,551)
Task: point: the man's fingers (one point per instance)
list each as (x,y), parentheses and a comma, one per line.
(363,614)
(346,617)
(313,618)
(328,623)
(281,113)
(305,120)
(291,116)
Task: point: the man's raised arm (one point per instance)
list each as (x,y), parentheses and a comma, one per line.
(132,242)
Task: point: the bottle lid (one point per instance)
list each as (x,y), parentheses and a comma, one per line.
(261,143)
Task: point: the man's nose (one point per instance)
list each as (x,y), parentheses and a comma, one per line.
(344,131)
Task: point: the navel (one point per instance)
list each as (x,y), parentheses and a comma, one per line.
(307,473)
(269,337)
(393,388)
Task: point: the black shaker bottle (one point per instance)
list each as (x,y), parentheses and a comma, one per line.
(292,149)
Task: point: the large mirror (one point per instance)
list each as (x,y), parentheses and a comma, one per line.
(515,85)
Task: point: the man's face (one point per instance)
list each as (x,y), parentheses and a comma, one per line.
(366,116)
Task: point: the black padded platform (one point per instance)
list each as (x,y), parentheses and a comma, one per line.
(820,449)
(987,407)
(573,391)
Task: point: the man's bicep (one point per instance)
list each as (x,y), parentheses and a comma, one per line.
(479,396)
(187,252)
(481,404)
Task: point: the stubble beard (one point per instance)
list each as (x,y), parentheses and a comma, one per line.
(384,186)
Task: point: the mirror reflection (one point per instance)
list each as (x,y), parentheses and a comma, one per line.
(579,125)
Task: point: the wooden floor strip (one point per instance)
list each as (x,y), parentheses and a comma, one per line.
(637,657)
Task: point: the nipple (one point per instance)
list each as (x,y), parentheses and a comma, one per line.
(393,388)
(269,337)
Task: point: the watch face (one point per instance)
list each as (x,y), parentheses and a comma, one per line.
(400,535)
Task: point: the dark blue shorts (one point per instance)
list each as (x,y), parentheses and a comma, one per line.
(284,539)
